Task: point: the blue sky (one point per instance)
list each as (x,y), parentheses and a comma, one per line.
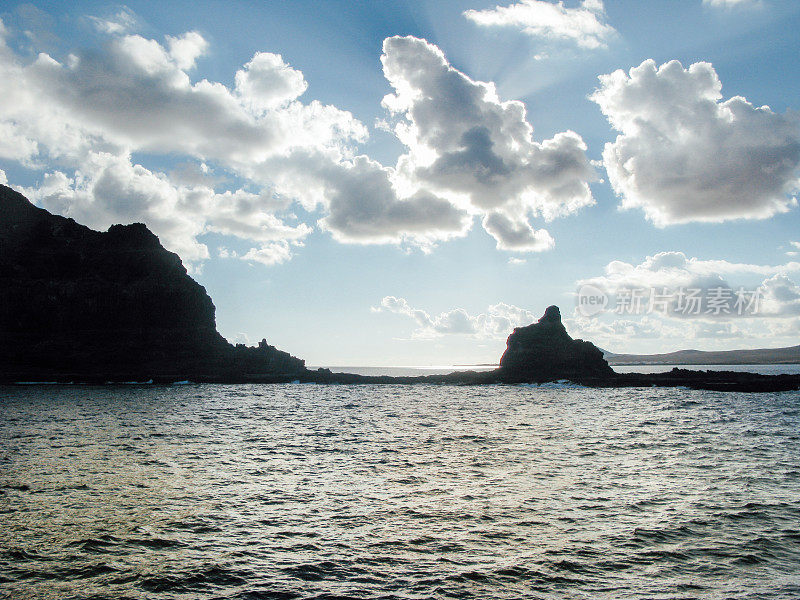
(359,183)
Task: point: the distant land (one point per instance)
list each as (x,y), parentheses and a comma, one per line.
(83,306)
(759,356)
(789,355)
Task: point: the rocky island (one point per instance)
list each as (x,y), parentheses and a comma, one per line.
(544,351)
(78,305)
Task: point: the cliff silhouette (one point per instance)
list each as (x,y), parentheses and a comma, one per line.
(78,304)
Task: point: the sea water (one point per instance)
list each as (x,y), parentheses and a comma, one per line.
(308,491)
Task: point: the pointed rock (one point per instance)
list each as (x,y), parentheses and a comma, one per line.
(544,351)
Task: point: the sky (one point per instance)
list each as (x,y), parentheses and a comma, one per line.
(403,183)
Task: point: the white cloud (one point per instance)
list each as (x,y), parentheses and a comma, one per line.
(497,322)
(732,3)
(675,269)
(467,145)
(271,253)
(241,338)
(267,82)
(121,22)
(3,178)
(363,204)
(511,235)
(243,214)
(186,49)
(136,95)
(660,334)
(109,189)
(684,155)
(780,297)
(584,25)
(364,207)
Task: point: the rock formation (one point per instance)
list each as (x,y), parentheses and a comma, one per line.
(544,351)
(78,304)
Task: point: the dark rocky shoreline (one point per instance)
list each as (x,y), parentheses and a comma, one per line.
(722,381)
(88,307)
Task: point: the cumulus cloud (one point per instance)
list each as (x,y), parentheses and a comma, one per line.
(3,178)
(243,214)
(584,25)
(497,322)
(667,273)
(135,94)
(241,338)
(269,254)
(675,269)
(511,235)
(186,49)
(267,82)
(684,155)
(363,204)
(780,296)
(476,150)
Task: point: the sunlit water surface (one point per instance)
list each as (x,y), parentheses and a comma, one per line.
(304,491)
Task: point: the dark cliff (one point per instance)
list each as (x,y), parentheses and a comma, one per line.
(544,351)
(86,305)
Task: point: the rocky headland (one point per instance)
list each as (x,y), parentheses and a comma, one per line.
(89,306)
(82,306)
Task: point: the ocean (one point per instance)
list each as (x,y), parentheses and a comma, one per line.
(397,492)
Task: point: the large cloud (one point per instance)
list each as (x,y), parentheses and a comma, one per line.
(136,94)
(82,122)
(96,123)
(585,25)
(466,144)
(684,155)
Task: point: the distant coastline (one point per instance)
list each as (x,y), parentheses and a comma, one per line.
(758,356)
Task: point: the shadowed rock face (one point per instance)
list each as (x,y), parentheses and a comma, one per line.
(544,351)
(117,305)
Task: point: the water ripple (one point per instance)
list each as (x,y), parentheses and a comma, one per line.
(398,492)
